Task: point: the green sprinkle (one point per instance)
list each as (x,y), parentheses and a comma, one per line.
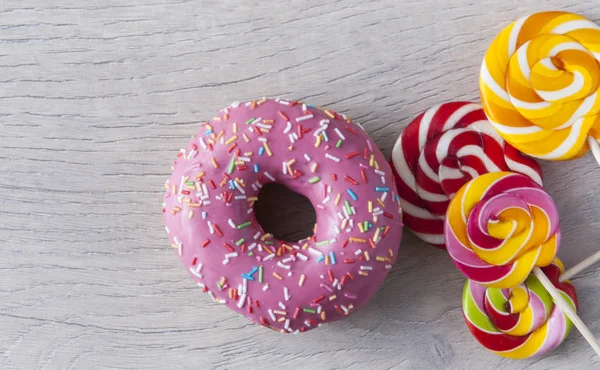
(250,254)
(189,183)
(245,224)
(260,274)
(239,242)
(250,121)
(348,208)
(231,165)
(219,286)
(323,242)
(268,242)
(308,310)
(366,225)
(314,179)
(339,143)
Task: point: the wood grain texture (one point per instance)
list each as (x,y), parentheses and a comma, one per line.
(96,97)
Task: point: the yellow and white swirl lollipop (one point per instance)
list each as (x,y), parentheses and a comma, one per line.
(540,83)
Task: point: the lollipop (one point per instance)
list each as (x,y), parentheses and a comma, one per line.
(539,85)
(440,151)
(580,266)
(502,226)
(520,322)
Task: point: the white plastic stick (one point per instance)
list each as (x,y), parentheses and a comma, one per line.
(580,267)
(567,309)
(595,147)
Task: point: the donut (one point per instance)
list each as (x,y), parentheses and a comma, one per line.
(519,322)
(441,150)
(540,84)
(288,286)
(499,227)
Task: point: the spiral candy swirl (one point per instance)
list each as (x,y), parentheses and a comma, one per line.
(539,84)
(500,226)
(440,151)
(520,322)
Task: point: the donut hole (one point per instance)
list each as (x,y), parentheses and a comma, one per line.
(287,215)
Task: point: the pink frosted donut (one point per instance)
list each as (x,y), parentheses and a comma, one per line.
(287,286)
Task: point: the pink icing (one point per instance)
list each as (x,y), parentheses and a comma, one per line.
(312,281)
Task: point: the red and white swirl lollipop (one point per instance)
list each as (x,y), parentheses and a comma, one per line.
(440,151)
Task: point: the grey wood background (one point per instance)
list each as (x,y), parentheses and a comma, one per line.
(96,97)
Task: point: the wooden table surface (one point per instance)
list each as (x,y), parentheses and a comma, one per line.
(97,97)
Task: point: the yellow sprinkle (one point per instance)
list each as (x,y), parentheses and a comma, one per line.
(194,205)
(323,315)
(380,259)
(318,141)
(235,127)
(291,162)
(314,166)
(329,114)
(391,252)
(376,165)
(278,312)
(246,138)
(231,140)
(252,199)
(208,126)
(376,236)
(360,227)
(220,135)
(216,118)
(187,200)
(337,199)
(281,319)
(370,204)
(290,148)
(357,240)
(210,141)
(371,160)
(326,260)
(267,149)
(305,246)
(174,190)
(266,235)
(367,255)
(268,121)
(302,278)
(380,202)
(261,101)
(174,246)
(344,223)
(262,129)
(277,276)
(333,297)
(248,154)
(223,280)
(363,273)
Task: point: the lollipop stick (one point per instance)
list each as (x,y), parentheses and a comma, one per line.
(567,309)
(593,144)
(580,267)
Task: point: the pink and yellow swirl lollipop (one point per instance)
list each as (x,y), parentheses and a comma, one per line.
(540,84)
(520,322)
(500,226)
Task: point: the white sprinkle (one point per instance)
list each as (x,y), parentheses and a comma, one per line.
(306,157)
(196,273)
(337,229)
(254,187)
(210,293)
(266,287)
(225,261)
(357,252)
(379,172)
(337,131)
(286,294)
(368,268)
(387,266)
(263,139)
(230,221)
(289,259)
(284,102)
(244,159)
(292,140)
(262,125)
(272,315)
(295,135)
(231,255)
(269,176)
(204,189)
(311,249)
(241,301)
(244,285)
(239,197)
(202,143)
(252,246)
(282,305)
(370,145)
(284,167)
(333,158)
(166,228)
(327,199)
(301,256)
(239,187)
(257,235)
(270,256)
(304,107)
(283,266)
(344,308)
(319,309)
(204,215)
(286,325)
(320,129)
(202,286)
(304,118)
(210,228)
(288,127)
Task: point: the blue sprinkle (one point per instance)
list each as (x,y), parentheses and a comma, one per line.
(320,259)
(208,132)
(261,150)
(382,189)
(247,277)
(397,197)
(332,258)
(351,193)
(311,106)
(231,185)
(255,167)
(324,135)
(253,271)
